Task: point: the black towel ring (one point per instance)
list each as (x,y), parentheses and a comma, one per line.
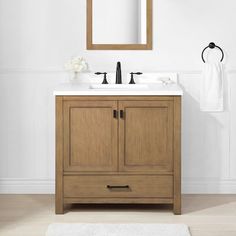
(212,46)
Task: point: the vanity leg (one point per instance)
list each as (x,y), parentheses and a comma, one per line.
(59,157)
(59,208)
(177,208)
(177,155)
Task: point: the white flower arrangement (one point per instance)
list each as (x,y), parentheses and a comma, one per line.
(76,64)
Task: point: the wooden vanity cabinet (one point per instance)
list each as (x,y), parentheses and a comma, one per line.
(118,149)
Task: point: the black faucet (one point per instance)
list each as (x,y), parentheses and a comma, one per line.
(118,73)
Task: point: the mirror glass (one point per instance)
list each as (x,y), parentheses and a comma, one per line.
(119,21)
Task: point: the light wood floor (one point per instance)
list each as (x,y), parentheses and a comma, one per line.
(206,215)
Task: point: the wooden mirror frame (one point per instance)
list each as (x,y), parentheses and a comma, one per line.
(91,46)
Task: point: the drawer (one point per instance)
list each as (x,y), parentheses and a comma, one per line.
(119,186)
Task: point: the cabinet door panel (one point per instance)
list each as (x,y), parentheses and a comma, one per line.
(146,136)
(90,136)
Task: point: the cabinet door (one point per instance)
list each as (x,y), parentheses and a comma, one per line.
(146,136)
(90,136)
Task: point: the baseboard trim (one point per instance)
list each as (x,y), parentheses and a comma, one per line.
(47,186)
(27,186)
(209,187)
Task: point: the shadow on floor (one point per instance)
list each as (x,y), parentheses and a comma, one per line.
(193,203)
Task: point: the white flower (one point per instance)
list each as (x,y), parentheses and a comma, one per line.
(76,64)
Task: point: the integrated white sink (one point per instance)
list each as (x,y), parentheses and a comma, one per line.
(119,86)
(149,84)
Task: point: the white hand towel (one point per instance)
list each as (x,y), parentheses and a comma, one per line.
(211,94)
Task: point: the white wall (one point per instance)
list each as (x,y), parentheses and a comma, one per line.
(37,37)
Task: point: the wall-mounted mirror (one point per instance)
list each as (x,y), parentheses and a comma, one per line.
(119,24)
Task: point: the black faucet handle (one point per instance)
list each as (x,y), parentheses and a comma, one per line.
(104,78)
(132,76)
(136,73)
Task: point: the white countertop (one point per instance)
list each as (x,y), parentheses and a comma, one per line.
(76,89)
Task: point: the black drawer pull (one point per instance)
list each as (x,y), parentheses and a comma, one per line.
(121,114)
(115,113)
(117,186)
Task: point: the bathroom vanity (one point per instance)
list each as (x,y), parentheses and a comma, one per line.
(118,146)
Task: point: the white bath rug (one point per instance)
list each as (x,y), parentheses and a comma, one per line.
(117,230)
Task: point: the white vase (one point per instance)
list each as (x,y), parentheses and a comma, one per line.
(74,77)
